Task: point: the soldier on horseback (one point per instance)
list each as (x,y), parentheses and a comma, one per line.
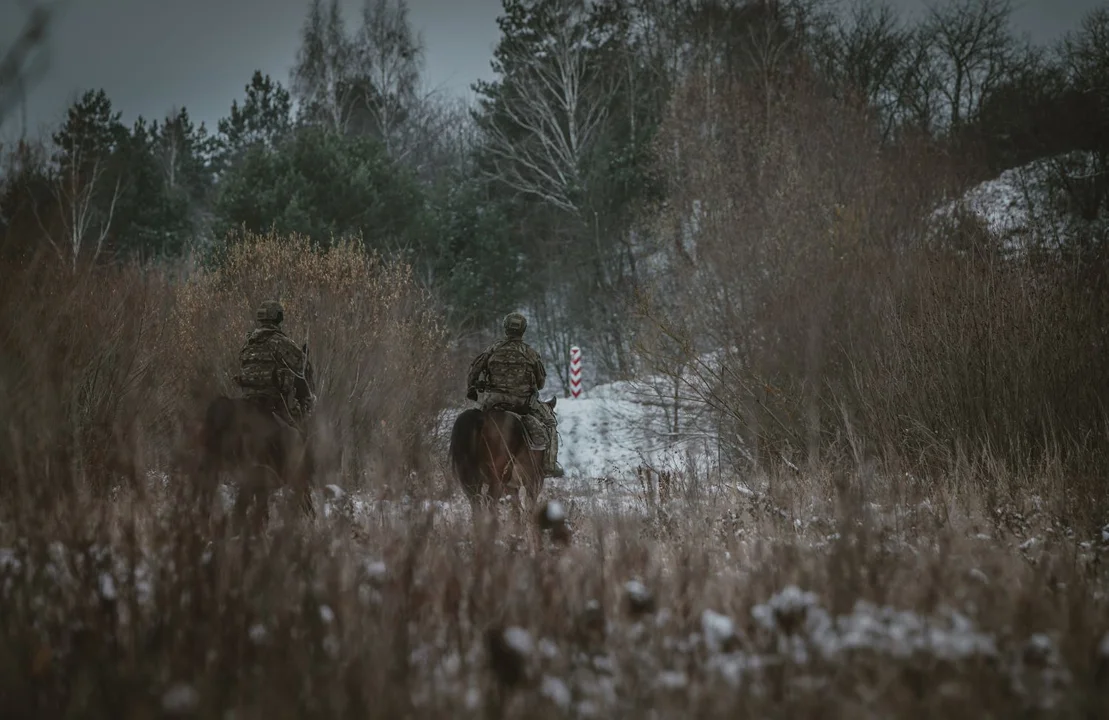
(511,374)
(275,374)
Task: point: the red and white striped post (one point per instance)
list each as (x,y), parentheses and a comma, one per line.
(575,372)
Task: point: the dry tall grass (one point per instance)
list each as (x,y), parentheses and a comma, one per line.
(825,597)
(926,597)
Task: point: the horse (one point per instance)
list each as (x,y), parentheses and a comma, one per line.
(238,436)
(490,454)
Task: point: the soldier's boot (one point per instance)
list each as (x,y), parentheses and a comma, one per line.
(552,468)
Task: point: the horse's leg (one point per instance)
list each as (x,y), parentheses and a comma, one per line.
(215,455)
(522,519)
(298,473)
(201,493)
(261,502)
(244,493)
(511,475)
(307,477)
(494,472)
(306,503)
(489,464)
(259,461)
(532,474)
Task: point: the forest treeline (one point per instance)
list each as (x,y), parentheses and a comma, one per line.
(556,190)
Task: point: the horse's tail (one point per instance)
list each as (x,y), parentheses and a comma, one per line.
(464,450)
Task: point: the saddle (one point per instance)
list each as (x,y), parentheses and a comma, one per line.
(534,432)
(271,408)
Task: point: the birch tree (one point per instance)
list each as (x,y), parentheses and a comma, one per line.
(320,79)
(389,59)
(549,110)
(85,185)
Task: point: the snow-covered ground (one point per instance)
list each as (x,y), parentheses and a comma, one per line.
(1023,208)
(615,428)
(611,433)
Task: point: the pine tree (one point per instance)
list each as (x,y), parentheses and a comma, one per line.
(265,117)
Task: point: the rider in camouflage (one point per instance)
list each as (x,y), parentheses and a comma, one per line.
(513,375)
(271,366)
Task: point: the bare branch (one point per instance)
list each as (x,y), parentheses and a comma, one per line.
(108,220)
(390,56)
(975,52)
(75,190)
(554,112)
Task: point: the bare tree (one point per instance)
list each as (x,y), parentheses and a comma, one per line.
(438,134)
(554,329)
(917,85)
(390,56)
(1086,57)
(553,111)
(862,55)
(321,78)
(82,226)
(974,51)
(1084,178)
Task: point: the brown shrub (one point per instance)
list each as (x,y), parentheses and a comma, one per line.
(804,259)
(102,368)
(376,341)
(81,351)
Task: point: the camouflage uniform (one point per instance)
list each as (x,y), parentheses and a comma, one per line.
(271,365)
(513,376)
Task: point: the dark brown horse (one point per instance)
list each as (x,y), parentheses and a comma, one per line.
(491,456)
(260,450)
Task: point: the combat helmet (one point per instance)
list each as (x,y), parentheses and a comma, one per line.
(270,312)
(515,324)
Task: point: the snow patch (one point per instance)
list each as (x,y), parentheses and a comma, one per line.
(1022,208)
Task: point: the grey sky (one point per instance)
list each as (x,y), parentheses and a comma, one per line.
(152,55)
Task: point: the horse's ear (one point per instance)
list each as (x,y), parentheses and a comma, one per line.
(551,403)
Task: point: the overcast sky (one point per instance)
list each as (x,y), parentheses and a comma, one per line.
(152,55)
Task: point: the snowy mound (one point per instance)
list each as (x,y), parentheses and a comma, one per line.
(1025,207)
(615,428)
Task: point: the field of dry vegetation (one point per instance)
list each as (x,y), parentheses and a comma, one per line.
(915,525)
(868,584)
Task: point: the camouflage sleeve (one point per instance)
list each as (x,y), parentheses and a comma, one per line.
(476,368)
(310,376)
(540,371)
(288,353)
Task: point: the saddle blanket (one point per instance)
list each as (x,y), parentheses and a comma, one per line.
(534,431)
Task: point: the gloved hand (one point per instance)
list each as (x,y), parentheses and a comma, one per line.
(471,394)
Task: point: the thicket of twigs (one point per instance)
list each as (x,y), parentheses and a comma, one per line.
(816,301)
